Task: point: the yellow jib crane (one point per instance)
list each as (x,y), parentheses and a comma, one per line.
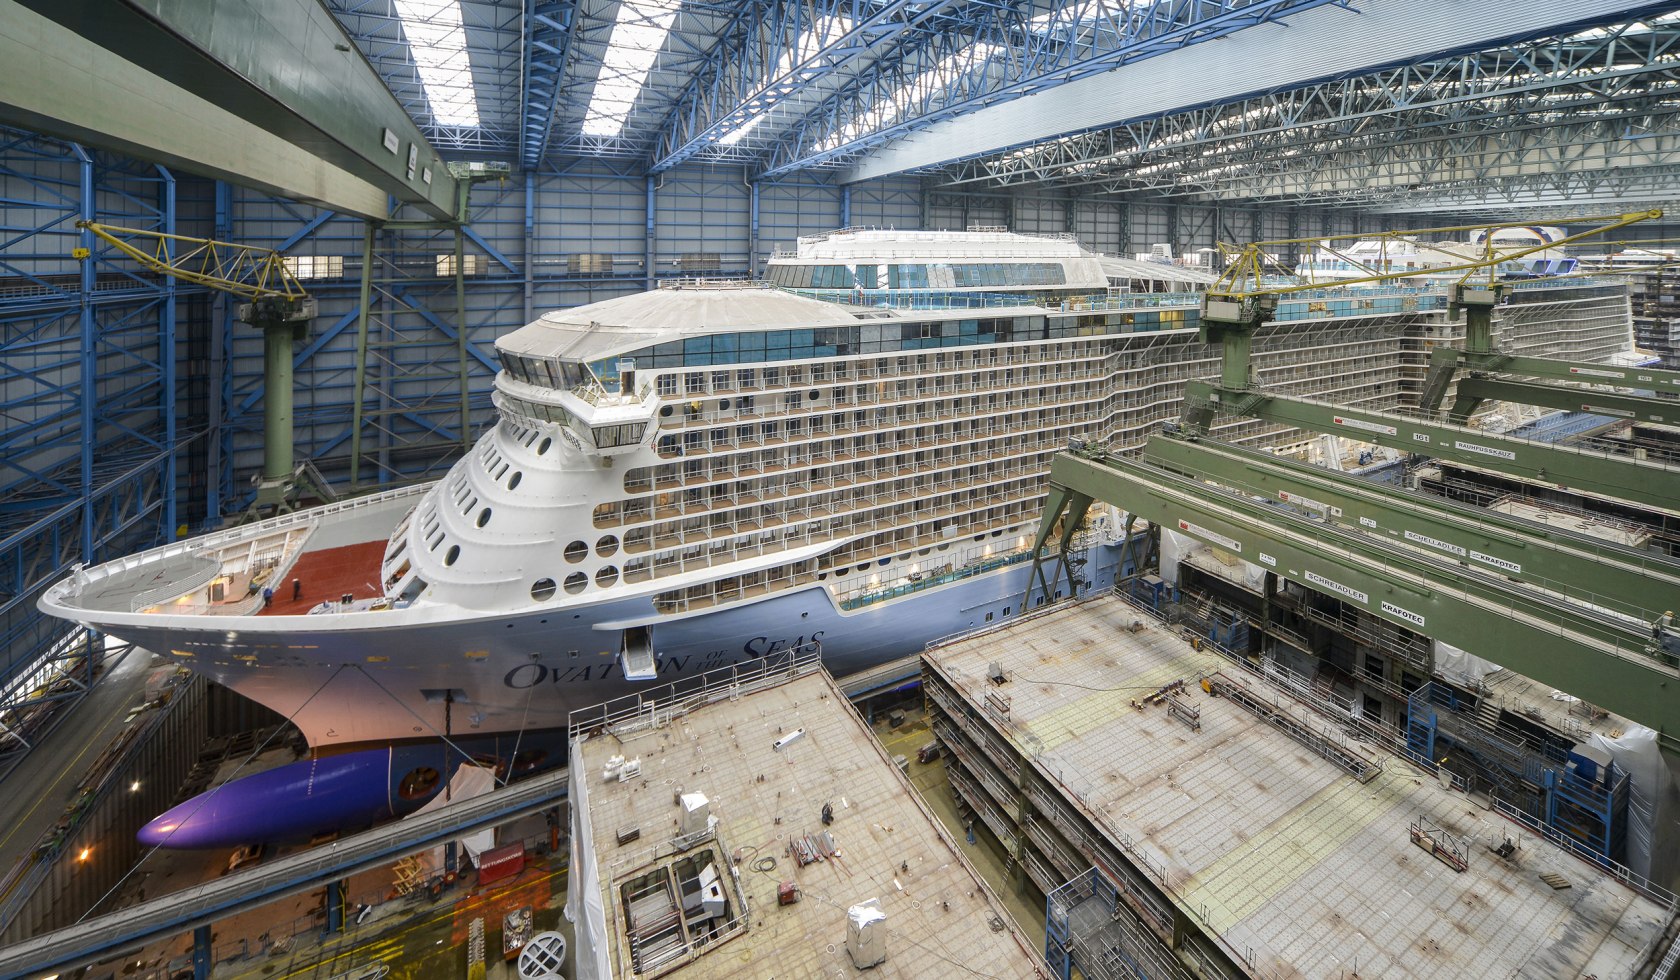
(274,302)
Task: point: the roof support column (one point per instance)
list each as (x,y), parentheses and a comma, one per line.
(647,267)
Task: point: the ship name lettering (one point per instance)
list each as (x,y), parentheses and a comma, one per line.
(763,646)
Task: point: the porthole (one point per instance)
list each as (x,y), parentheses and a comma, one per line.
(884,562)
(542,447)
(606,576)
(453,553)
(841,571)
(542,589)
(576,551)
(664,411)
(576,582)
(418,783)
(513,481)
(814,395)
(607,546)
(484,517)
(723,403)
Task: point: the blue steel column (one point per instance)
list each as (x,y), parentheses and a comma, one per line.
(220,396)
(166,362)
(335,908)
(201,953)
(846,206)
(89,395)
(530,242)
(648,267)
(752,239)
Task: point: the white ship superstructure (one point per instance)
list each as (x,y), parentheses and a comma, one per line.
(1335,261)
(702,473)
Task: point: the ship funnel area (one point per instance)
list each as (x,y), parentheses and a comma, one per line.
(636,655)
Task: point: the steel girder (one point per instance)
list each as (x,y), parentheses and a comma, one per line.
(548,35)
(773,55)
(1606,659)
(1645,482)
(1003,54)
(1555,113)
(1632,581)
(496,45)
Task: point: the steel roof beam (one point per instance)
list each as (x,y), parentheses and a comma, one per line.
(1028,58)
(548,36)
(1323,46)
(1605,659)
(739,81)
(1597,106)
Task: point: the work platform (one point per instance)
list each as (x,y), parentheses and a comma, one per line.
(1246,832)
(768,756)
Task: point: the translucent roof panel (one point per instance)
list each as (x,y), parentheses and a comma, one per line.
(632,47)
(438,44)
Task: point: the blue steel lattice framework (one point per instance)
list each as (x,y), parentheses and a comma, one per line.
(89,437)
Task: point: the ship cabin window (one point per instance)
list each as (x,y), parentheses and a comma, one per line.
(576,551)
(695,383)
(544,446)
(606,576)
(607,546)
(543,589)
(576,582)
(483,517)
(612,436)
(667,384)
(513,481)
(453,553)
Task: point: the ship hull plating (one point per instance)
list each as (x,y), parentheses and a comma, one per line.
(529,671)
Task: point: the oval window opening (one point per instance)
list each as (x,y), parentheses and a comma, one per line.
(607,546)
(542,589)
(454,553)
(606,576)
(576,551)
(484,517)
(542,447)
(576,582)
(513,481)
(419,782)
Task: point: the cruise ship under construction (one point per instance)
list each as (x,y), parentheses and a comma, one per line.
(853,453)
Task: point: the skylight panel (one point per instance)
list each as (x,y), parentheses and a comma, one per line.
(810,43)
(632,47)
(438,44)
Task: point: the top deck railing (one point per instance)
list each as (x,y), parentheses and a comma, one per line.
(659,704)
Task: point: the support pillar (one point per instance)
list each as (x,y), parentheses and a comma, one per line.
(465,435)
(649,275)
(277,402)
(364,308)
(201,953)
(846,206)
(752,234)
(335,903)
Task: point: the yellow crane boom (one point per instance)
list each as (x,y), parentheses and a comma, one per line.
(246,271)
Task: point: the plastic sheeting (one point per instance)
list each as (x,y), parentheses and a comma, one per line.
(584,909)
(470,780)
(1653,798)
(1458,667)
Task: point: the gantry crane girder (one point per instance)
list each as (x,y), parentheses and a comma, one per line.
(1630,581)
(1649,483)
(1651,398)
(1608,660)
(1473,391)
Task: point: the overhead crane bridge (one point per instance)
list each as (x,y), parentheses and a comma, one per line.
(1587,617)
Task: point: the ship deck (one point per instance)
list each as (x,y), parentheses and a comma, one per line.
(327,575)
(940,915)
(1288,857)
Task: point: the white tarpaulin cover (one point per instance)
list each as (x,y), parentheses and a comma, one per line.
(1464,669)
(470,780)
(1653,798)
(1176,547)
(583,894)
